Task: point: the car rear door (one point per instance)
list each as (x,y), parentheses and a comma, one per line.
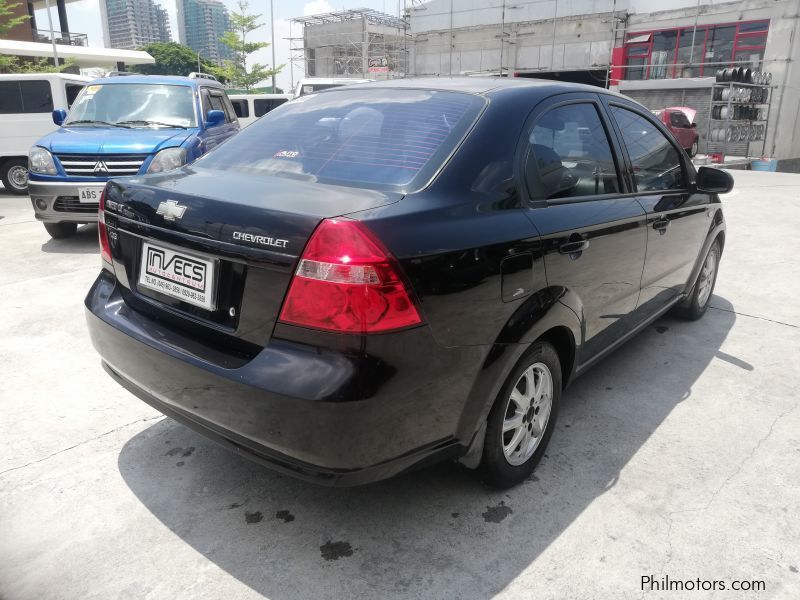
(593,231)
(677,218)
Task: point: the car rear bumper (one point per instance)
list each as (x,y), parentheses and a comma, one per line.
(323,415)
(56,202)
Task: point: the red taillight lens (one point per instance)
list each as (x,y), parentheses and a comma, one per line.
(105,247)
(348,282)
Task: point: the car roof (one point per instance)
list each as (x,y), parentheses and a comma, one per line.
(482,85)
(158,79)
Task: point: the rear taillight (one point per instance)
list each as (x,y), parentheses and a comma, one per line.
(348,282)
(102,230)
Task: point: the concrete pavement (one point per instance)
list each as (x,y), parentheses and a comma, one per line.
(677,456)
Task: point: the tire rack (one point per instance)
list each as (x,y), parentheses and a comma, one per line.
(729,122)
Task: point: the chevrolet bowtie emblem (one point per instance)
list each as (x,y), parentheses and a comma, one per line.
(171,210)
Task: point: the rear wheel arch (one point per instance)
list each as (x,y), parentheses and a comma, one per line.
(562,339)
(721,238)
(559,326)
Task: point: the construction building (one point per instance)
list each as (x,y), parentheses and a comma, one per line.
(659,57)
(360,43)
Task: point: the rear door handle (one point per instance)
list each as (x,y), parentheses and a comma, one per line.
(573,247)
(661,225)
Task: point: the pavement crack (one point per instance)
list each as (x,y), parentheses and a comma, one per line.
(82,443)
(755,317)
(670,515)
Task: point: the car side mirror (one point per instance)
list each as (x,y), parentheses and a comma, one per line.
(214,118)
(59,116)
(714,180)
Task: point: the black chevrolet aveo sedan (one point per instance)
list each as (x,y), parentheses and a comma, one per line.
(381,276)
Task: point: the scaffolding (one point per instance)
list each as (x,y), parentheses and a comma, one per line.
(356,43)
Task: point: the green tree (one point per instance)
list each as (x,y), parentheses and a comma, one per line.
(12,64)
(236,70)
(7,22)
(175,59)
(7,19)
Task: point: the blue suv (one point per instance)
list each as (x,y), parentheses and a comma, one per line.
(122,126)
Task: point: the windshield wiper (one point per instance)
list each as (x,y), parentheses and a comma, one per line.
(94,122)
(145,122)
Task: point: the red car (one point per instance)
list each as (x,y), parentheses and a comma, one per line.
(680,121)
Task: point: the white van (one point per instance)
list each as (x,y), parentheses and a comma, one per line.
(249,107)
(26,114)
(311,85)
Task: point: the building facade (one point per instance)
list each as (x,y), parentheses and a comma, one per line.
(31,31)
(358,43)
(131,24)
(659,57)
(201,23)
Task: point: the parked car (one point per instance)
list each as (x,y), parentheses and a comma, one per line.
(312,85)
(122,126)
(680,122)
(249,107)
(373,279)
(26,107)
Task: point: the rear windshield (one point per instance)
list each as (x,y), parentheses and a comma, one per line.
(378,138)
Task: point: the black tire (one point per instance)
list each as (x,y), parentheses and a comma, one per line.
(495,468)
(11,180)
(694,306)
(58,231)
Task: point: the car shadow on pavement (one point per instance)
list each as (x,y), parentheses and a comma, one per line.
(438,532)
(83,242)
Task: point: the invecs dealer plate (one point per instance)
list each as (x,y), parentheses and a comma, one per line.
(179,275)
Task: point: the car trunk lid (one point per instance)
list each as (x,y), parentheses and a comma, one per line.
(247,232)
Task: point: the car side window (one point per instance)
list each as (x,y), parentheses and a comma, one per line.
(72,90)
(230,113)
(206,103)
(25,97)
(36,96)
(679,120)
(214,101)
(655,160)
(569,155)
(262,106)
(241,109)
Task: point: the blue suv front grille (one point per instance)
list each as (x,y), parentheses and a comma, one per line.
(101,165)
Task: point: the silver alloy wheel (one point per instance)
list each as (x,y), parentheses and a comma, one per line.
(527,414)
(706,279)
(18,177)
(693,150)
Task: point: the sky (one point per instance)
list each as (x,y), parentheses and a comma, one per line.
(84,17)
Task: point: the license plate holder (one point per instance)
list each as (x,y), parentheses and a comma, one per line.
(89,195)
(178,274)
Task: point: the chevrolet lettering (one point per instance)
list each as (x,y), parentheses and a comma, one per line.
(259,239)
